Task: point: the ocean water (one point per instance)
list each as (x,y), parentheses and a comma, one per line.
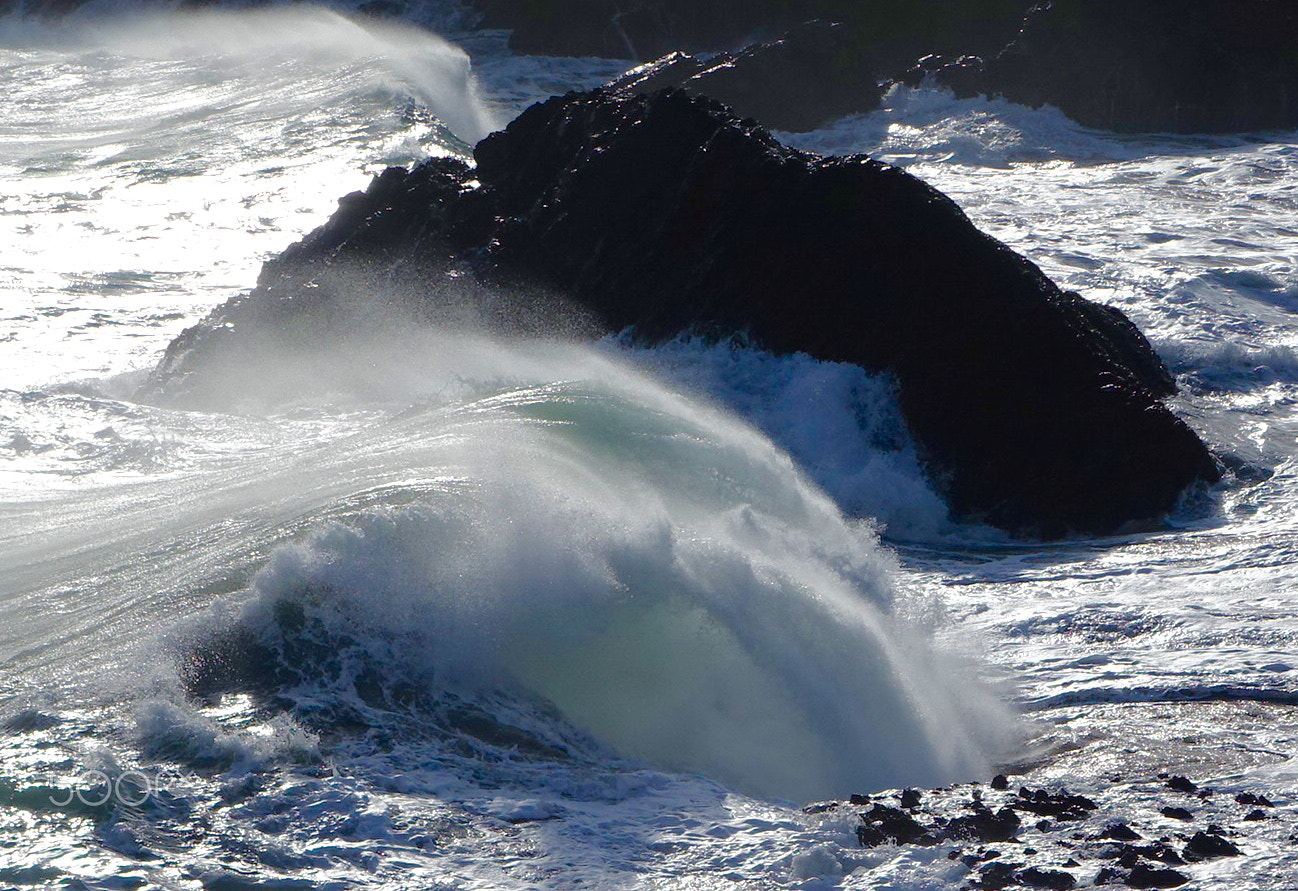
(460,612)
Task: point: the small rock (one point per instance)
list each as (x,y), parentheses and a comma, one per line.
(1120,831)
(985,826)
(1177,813)
(1204,846)
(858,799)
(1159,851)
(972,860)
(995,876)
(1142,876)
(1054,879)
(1248,798)
(1126,855)
(885,824)
(1181,784)
(911,798)
(1110,876)
(1000,782)
(1255,815)
(1061,805)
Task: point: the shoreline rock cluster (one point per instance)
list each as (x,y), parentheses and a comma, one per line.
(1055,839)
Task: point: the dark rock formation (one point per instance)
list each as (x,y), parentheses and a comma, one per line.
(1036,877)
(1035,410)
(889,825)
(1146,65)
(810,76)
(893,31)
(1144,876)
(1061,805)
(1252,799)
(1209,845)
(1056,855)
(984,825)
(1120,831)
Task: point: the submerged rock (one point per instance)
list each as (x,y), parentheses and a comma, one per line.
(1145,65)
(1035,410)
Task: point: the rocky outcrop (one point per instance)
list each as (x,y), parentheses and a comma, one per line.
(810,76)
(1000,839)
(1035,410)
(1144,65)
(892,31)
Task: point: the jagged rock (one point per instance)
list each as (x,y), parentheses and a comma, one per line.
(890,825)
(1034,409)
(984,825)
(1061,805)
(810,76)
(1145,65)
(911,798)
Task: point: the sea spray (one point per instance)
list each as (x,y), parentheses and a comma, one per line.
(840,423)
(419,64)
(652,567)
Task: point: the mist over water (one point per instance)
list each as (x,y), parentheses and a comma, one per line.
(151,161)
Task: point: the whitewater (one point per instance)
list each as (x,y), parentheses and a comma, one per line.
(431,607)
